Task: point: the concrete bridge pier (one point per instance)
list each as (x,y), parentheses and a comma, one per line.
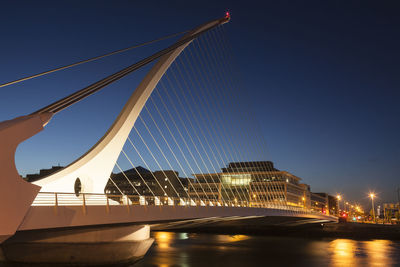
(86,246)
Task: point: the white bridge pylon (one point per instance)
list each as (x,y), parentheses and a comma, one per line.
(93,168)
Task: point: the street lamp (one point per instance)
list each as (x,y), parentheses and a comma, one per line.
(339,197)
(372,195)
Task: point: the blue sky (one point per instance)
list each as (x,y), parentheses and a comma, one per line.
(321,78)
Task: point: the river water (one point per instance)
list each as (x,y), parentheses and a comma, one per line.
(186,249)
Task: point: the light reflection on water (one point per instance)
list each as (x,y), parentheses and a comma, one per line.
(346,252)
(343,252)
(379,251)
(182,249)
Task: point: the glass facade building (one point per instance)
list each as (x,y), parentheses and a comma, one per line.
(257,183)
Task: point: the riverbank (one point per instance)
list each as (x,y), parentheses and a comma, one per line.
(361,231)
(357,231)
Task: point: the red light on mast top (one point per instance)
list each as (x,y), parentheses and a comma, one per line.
(227,15)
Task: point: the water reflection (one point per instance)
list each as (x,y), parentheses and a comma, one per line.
(183,236)
(346,252)
(231,238)
(343,252)
(379,252)
(163,239)
(192,250)
(183,249)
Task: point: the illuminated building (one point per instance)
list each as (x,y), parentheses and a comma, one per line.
(319,203)
(331,203)
(391,212)
(257,182)
(157,182)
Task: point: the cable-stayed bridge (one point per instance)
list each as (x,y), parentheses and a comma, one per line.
(183,119)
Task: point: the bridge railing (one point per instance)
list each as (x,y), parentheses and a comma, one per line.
(91,199)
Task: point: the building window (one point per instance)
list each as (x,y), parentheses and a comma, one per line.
(236,179)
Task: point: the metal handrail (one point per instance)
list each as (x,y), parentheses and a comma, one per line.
(57,199)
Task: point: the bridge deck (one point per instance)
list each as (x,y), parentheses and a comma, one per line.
(51,210)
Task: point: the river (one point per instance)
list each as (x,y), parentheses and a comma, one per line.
(187,249)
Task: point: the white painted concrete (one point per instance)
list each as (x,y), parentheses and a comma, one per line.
(96,245)
(16,195)
(94,167)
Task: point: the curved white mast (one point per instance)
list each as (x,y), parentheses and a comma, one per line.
(94,167)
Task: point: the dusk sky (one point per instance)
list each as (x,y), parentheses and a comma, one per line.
(322,78)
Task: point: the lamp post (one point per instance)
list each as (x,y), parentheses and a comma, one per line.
(339,197)
(372,195)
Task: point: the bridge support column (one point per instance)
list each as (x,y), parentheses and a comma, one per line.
(96,245)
